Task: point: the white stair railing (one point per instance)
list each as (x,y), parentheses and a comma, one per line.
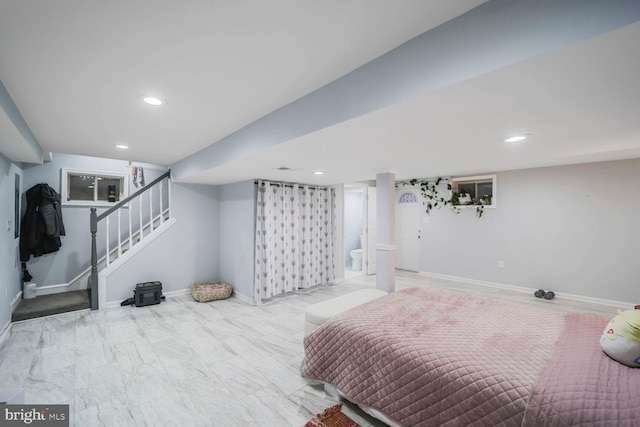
(146,222)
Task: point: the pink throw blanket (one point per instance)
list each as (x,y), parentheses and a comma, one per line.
(581,385)
(427,357)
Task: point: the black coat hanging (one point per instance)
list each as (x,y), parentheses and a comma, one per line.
(42,223)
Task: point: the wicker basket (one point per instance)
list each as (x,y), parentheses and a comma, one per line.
(209,291)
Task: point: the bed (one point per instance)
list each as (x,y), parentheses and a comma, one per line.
(429,357)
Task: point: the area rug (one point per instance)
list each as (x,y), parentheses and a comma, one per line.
(332,417)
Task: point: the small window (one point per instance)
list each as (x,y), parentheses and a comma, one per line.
(90,188)
(408,197)
(475,190)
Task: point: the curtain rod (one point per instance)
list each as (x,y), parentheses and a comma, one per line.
(287,184)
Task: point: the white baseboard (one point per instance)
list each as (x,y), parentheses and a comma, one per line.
(52,289)
(113,304)
(522,289)
(177,293)
(170,294)
(593,300)
(244,298)
(476,282)
(15,301)
(6,331)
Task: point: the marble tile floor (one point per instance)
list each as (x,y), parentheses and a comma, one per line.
(350,274)
(185,363)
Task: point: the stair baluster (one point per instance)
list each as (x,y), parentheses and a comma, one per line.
(95,219)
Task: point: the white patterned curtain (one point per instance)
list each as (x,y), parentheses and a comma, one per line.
(294,238)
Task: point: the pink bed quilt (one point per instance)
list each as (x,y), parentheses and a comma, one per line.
(426,357)
(581,385)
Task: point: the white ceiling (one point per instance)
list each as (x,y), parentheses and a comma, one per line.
(75,71)
(580,104)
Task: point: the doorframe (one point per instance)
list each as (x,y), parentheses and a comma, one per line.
(416,194)
(364,222)
(369,254)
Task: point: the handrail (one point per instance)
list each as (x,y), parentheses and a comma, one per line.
(133,196)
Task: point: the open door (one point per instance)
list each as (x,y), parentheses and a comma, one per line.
(370,228)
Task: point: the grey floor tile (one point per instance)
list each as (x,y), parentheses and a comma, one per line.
(223,363)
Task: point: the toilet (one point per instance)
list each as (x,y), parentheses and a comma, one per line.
(356,259)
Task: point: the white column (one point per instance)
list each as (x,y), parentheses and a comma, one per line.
(386,232)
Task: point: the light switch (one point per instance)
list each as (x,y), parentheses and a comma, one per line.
(8,225)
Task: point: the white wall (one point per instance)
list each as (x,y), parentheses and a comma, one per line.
(572,229)
(75,254)
(10,275)
(237,215)
(184,254)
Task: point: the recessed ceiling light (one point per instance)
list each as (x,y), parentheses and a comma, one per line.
(153,100)
(122,147)
(318,173)
(516,138)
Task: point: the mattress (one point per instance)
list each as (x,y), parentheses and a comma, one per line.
(426,357)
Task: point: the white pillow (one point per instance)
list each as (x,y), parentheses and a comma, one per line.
(621,338)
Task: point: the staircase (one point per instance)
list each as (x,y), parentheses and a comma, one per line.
(116,235)
(49,305)
(143,222)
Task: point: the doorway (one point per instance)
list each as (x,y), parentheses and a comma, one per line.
(408,212)
(354,224)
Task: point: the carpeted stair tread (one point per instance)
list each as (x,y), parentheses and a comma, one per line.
(47,305)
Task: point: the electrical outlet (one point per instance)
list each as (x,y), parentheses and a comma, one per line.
(8,225)
(500,264)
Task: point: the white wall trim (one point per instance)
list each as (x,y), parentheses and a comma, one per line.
(111,304)
(171,294)
(528,291)
(7,327)
(186,291)
(52,289)
(15,301)
(103,283)
(244,298)
(337,280)
(60,285)
(177,293)
(6,331)
(386,248)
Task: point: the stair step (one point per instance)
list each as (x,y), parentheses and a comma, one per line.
(48,305)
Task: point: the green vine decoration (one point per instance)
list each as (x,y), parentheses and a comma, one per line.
(431,191)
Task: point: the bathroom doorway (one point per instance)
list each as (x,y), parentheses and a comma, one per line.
(354,202)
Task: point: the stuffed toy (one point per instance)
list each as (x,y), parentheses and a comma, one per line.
(621,338)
